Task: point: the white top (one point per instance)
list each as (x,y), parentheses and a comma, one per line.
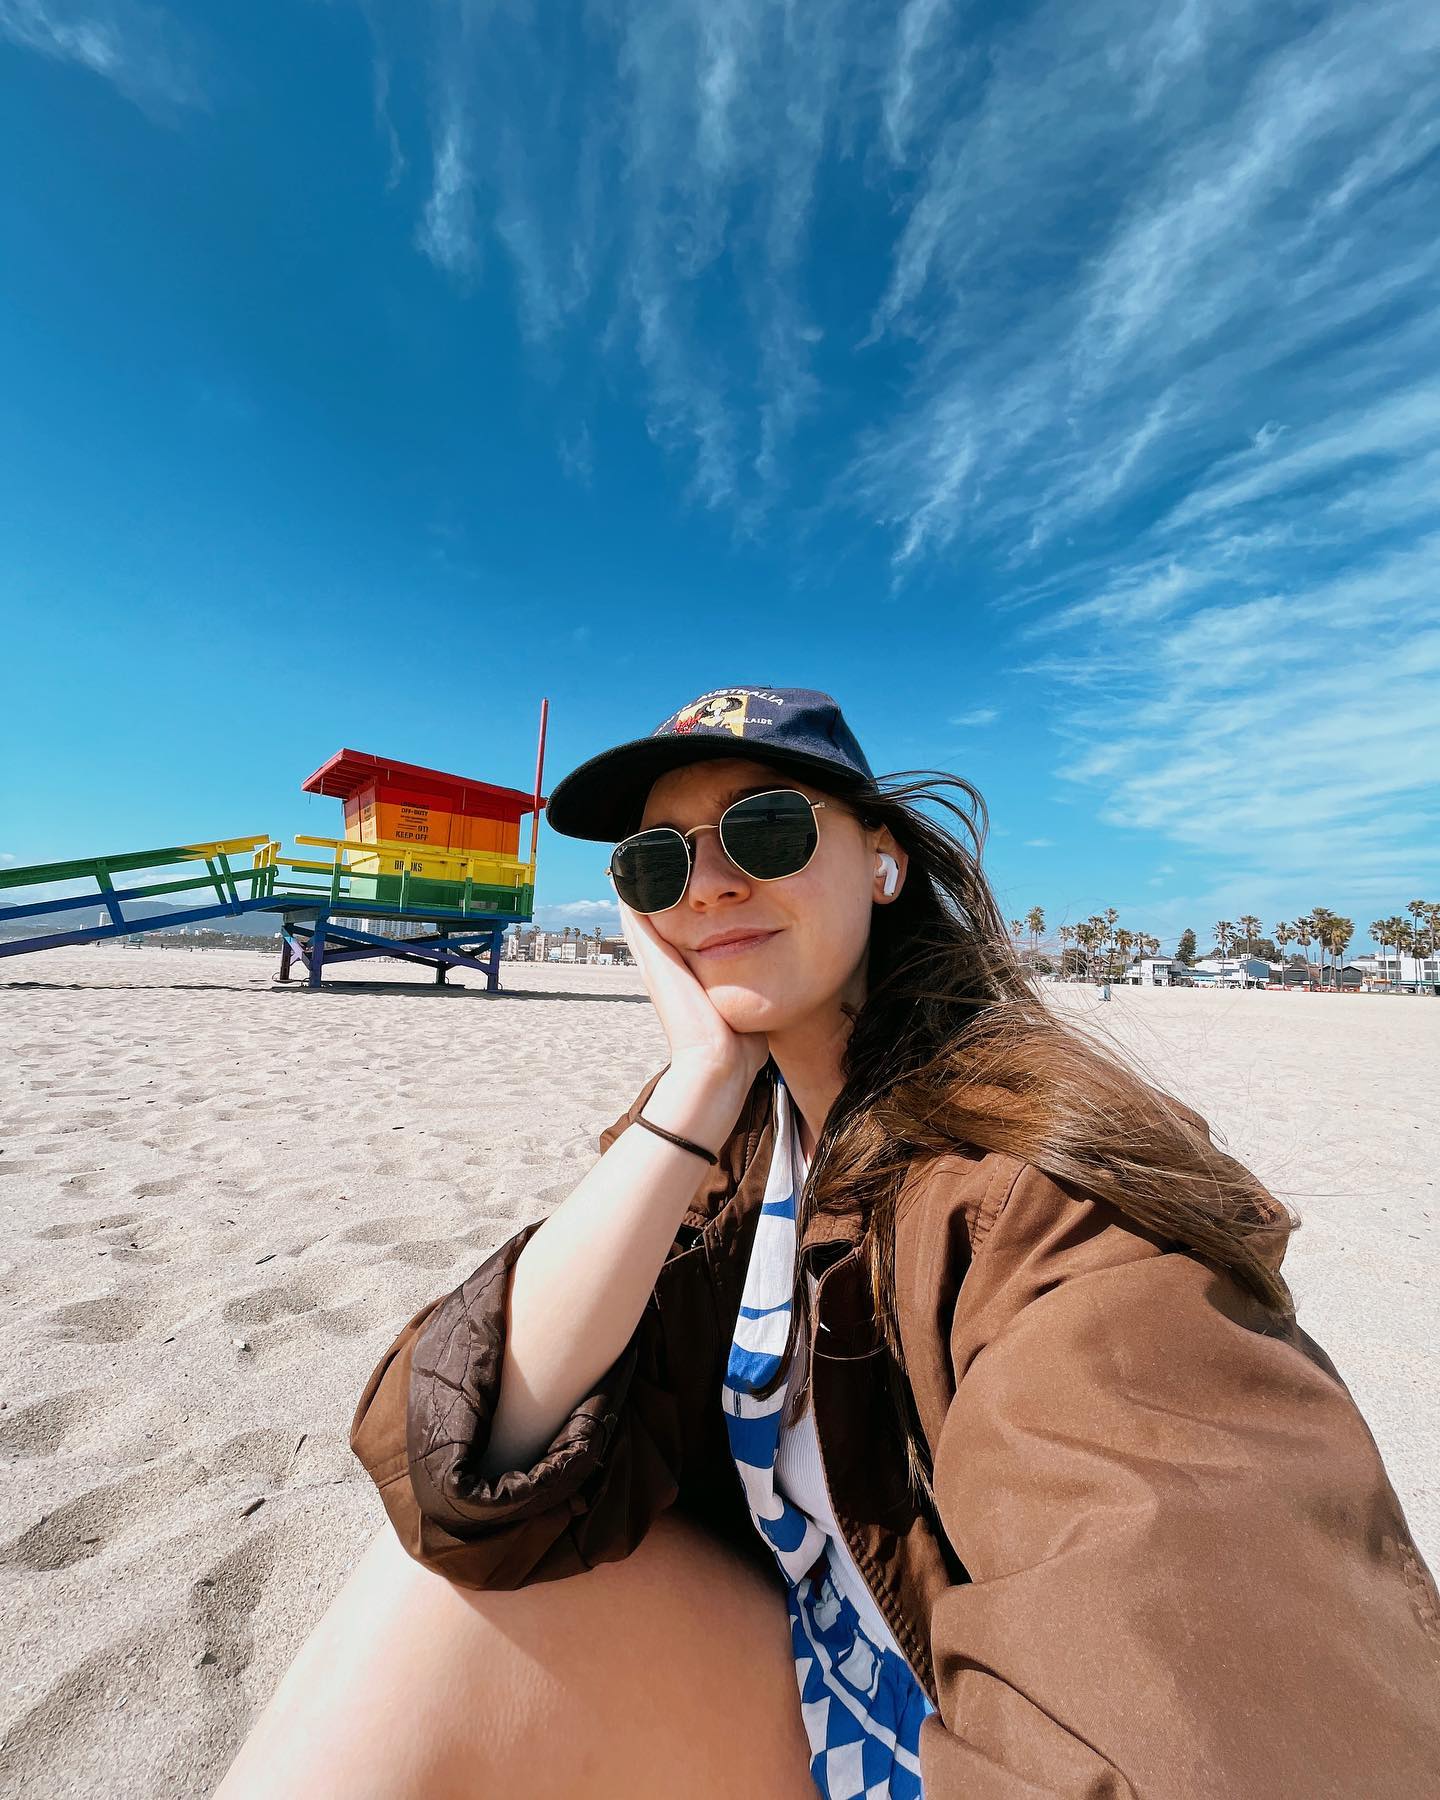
(798,1471)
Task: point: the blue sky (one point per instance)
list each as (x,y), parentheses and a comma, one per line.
(1058,386)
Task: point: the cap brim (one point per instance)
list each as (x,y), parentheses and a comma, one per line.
(604,799)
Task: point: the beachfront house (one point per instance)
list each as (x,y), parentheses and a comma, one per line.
(1408,973)
(1230,971)
(1157,971)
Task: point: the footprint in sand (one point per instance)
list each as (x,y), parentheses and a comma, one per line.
(385,1231)
(93,1121)
(349,1319)
(265,1305)
(157,1189)
(78,1710)
(112,1319)
(42,1429)
(223,1600)
(262,1457)
(142,1241)
(427,1253)
(110,1222)
(91,1522)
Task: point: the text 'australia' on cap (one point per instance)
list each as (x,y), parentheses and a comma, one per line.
(799,729)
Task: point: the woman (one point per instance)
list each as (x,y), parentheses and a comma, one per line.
(968,1362)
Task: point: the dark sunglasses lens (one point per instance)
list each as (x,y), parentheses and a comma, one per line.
(770,835)
(650,870)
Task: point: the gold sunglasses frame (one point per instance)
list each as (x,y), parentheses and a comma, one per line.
(685,837)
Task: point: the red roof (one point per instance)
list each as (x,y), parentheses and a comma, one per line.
(348,771)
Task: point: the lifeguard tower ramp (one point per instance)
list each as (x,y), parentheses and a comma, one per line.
(429,871)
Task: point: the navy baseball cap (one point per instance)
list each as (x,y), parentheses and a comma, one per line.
(797,729)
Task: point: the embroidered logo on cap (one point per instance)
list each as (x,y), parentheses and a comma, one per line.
(725,709)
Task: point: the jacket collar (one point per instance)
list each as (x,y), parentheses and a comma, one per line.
(829,1235)
(731,1194)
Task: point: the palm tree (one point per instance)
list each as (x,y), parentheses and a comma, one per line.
(1338,934)
(1124,944)
(1402,936)
(1250,925)
(1380,932)
(1017,927)
(1065,934)
(1282,934)
(1035,921)
(1320,926)
(1419,911)
(1224,932)
(1112,919)
(1304,937)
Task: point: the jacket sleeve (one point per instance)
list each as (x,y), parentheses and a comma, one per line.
(422,1426)
(1190,1578)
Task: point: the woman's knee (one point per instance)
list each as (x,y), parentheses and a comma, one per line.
(627,1680)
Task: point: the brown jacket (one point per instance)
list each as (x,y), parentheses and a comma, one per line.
(1167,1559)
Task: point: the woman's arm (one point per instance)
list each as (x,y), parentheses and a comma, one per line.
(580,1284)
(614,1460)
(1190,1575)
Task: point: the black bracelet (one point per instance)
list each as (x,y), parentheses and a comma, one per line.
(684,1143)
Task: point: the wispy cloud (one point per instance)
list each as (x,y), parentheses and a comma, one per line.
(1297,730)
(448,231)
(1126,312)
(139,49)
(380,95)
(1040,843)
(1186,233)
(577,456)
(913,87)
(665,169)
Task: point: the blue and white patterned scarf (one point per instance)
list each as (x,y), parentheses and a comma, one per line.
(760,1333)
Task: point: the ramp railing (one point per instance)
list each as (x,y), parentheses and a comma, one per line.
(251,874)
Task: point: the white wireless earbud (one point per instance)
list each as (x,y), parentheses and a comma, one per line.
(892,874)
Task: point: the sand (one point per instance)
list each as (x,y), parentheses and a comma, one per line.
(192,1156)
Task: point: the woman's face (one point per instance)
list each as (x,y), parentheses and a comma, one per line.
(820,917)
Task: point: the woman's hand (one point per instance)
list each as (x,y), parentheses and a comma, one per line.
(700,1039)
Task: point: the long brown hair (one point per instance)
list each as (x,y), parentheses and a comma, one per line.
(954,1048)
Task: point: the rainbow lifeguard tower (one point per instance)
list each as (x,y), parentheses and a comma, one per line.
(421,847)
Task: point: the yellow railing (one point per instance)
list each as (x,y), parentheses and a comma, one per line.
(481,868)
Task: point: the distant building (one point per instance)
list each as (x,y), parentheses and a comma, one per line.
(553,946)
(1387,970)
(1231,971)
(1157,971)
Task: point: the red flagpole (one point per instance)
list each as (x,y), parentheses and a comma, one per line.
(539,766)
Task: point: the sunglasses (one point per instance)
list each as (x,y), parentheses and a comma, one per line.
(767,837)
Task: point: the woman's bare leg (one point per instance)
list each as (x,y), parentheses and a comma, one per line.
(668,1673)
